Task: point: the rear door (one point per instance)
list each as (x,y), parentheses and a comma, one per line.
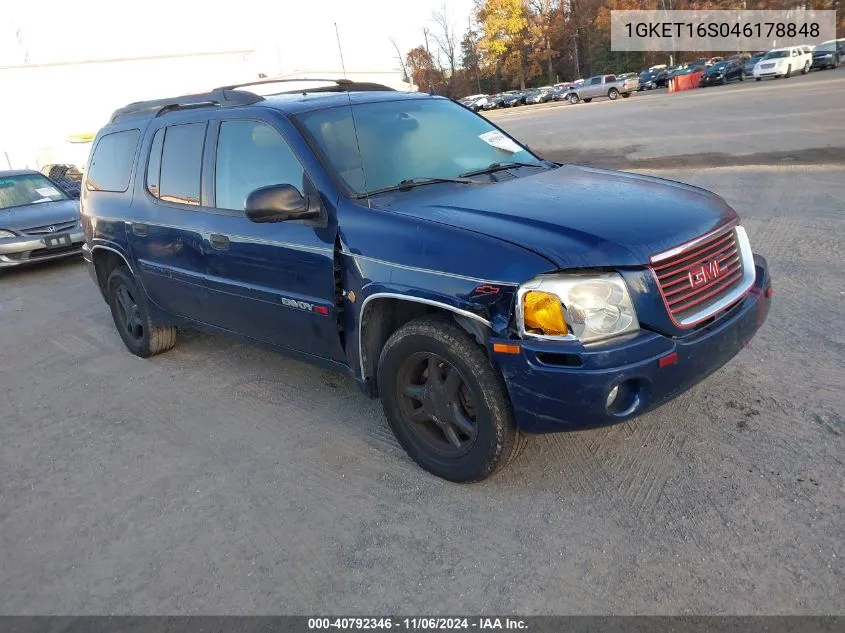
(166,234)
(272,282)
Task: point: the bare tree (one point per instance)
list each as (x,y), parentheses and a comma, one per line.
(405,75)
(447,43)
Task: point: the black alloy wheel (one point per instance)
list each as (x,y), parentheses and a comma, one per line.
(437,404)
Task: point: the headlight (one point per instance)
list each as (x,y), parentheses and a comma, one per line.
(6,234)
(586,307)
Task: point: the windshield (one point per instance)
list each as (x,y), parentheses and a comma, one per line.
(407,139)
(18,191)
(776,54)
(718,66)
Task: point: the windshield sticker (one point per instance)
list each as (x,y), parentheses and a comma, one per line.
(47,191)
(500,141)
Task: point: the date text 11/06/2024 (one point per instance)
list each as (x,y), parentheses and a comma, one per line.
(417,624)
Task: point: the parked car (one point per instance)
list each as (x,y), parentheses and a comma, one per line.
(828,54)
(661,79)
(722,73)
(514,99)
(782,62)
(67,177)
(748,67)
(38,221)
(474,102)
(646,81)
(539,96)
(559,92)
(601,86)
(493,102)
(260,217)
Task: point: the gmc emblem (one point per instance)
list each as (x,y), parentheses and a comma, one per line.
(704,274)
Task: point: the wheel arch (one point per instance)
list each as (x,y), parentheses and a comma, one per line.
(382,313)
(106,259)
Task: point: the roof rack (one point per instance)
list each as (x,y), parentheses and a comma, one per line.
(340,85)
(220,97)
(234,95)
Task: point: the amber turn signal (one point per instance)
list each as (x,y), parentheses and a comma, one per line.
(505,348)
(542,313)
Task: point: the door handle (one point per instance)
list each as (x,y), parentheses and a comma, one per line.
(141,230)
(219,242)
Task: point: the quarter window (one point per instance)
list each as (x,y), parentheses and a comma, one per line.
(111,163)
(181,163)
(154,164)
(252,154)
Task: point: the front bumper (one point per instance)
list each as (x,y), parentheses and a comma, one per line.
(30,249)
(563,386)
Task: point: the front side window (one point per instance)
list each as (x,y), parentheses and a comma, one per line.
(407,139)
(181,163)
(19,191)
(250,155)
(111,162)
(595,80)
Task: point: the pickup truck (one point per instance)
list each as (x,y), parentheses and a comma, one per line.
(602,86)
(481,292)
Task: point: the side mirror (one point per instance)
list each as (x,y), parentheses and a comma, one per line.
(279,203)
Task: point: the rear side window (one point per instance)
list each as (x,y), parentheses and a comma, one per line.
(181,163)
(251,154)
(111,163)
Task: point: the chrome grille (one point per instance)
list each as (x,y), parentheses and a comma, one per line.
(57,227)
(696,277)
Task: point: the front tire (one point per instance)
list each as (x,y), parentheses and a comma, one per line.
(573,99)
(445,403)
(758,79)
(131,316)
(788,72)
(612,94)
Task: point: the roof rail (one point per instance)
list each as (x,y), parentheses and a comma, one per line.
(219,97)
(340,85)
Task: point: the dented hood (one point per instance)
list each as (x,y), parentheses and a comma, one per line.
(575,216)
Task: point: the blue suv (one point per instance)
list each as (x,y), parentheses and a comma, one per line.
(481,292)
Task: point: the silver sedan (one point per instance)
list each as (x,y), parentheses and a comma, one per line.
(38,221)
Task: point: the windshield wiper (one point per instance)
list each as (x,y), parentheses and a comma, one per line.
(498,167)
(410,183)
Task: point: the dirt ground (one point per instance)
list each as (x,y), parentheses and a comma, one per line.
(220,478)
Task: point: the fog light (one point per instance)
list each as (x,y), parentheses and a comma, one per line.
(611,397)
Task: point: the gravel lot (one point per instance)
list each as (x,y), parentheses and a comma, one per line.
(219,478)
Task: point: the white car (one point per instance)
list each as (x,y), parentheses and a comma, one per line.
(783,62)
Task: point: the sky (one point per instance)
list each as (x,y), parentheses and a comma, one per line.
(291,34)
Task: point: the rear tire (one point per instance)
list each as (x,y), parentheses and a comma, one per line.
(758,79)
(132,319)
(612,94)
(742,76)
(588,100)
(625,95)
(806,68)
(445,403)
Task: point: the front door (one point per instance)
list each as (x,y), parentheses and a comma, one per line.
(273,282)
